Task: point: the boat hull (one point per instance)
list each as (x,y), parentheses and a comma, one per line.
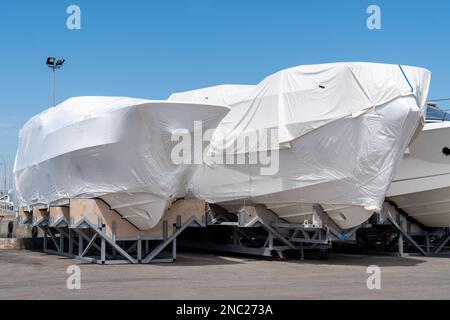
(364,165)
(340,130)
(422,185)
(114,149)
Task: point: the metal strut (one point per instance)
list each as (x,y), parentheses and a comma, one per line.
(442,244)
(151,256)
(406,236)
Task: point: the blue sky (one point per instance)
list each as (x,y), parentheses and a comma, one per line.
(148,49)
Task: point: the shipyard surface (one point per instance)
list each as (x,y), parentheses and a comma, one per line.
(28,275)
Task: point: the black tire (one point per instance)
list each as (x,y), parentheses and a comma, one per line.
(34,232)
(10,228)
(279,256)
(323,254)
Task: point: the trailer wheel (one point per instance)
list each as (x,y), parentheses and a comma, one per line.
(34,232)
(279,256)
(10,230)
(323,254)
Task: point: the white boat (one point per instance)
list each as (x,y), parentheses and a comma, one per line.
(6,203)
(422,185)
(116,149)
(340,132)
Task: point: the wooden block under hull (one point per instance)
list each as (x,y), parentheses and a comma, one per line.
(40,214)
(59,214)
(25,216)
(95,211)
(185,209)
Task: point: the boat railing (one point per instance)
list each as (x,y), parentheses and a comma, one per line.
(5,203)
(436,114)
(6,207)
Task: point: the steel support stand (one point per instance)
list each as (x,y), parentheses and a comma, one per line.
(400,241)
(139,250)
(61,243)
(406,236)
(302,252)
(103,251)
(80,244)
(442,243)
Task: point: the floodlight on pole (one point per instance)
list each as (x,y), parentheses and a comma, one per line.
(55,64)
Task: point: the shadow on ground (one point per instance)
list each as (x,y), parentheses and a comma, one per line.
(202,258)
(338,259)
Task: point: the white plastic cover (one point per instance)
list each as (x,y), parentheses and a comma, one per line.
(115,148)
(341,130)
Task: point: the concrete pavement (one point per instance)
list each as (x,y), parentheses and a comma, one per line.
(31,275)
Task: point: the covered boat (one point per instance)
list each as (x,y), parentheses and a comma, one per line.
(332,135)
(116,149)
(422,185)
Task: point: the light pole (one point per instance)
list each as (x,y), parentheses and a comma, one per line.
(5,164)
(54,64)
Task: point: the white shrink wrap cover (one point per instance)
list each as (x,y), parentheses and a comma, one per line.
(117,149)
(340,130)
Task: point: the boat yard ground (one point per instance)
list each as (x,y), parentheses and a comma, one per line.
(33,275)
